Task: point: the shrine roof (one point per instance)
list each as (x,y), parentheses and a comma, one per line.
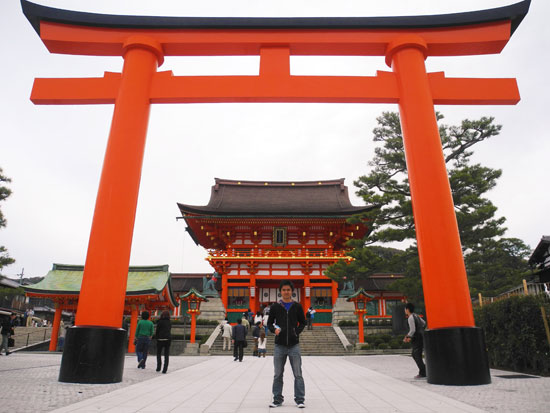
(182,282)
(36,13)
(377,282)
(541,254)
(67,279)
(277,198)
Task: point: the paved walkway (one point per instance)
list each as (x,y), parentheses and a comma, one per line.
(217,384)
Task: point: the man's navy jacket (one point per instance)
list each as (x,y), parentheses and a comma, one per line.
(291,322)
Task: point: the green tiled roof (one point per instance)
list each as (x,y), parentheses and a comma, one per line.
(66,279)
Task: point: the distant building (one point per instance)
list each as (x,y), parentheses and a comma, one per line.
(258,233)
(540,260)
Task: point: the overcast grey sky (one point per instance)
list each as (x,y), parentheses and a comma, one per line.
(54,154)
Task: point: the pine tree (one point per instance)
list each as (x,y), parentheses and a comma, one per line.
(5,192)
(387,187)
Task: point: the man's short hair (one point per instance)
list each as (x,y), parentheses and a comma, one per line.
(239,320)
(410,307)
(286,282)
(145,315)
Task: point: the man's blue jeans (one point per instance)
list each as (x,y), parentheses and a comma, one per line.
(142,348)
(279,360)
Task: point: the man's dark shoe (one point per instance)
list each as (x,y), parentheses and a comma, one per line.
(141,364)
(275,404)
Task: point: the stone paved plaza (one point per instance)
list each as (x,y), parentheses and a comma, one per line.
(217,384)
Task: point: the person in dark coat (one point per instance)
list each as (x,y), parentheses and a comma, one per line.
(163,335)
(239,340)
(287,321)
(7,332)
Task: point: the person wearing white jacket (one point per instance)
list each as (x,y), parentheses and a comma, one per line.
(226,335)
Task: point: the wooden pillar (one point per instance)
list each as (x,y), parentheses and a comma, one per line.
(445,285)
(55,327)
(224,290)
(307,299)
(193,327)
(106,267)
(361,316)
(334,292)
(132,332)
(253,300)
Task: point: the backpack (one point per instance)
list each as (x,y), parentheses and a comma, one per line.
(419,325)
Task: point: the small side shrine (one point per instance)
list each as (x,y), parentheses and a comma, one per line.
(360,299)
(193,299)
(148,288)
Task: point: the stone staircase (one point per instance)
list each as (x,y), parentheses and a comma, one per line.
(321,341)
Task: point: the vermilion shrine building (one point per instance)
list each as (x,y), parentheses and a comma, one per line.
(258,233)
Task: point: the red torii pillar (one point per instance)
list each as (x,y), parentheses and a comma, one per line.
(455,348)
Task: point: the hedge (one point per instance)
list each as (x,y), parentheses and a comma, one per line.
(515,334)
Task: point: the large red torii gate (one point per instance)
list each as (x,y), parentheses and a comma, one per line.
(455,348)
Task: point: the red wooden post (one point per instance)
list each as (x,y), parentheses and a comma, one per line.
(446,291)
(361,316)
(55,327)
(193,327)
(113,223)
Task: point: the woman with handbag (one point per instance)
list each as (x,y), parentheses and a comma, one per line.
(163,335)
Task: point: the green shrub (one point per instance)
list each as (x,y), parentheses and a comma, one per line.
(347,323)
(202,322)
(365,346)
(378,342)
(383,346)
(515,335)
(395,344)
(386,337)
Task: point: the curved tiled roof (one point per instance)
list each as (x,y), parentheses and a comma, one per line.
(67,279)
(276,198)
(36,13)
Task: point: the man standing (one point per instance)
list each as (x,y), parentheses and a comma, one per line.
(287,321)
(416,337)
(239,340)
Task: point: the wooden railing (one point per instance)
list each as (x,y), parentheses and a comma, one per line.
(527,288)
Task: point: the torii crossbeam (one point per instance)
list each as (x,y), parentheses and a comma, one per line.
(455,348)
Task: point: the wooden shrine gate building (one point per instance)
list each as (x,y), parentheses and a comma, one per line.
(259,233)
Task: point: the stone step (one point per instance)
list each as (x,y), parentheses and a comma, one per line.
(319,341)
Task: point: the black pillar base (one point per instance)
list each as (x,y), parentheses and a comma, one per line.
(93,355)
(456,356)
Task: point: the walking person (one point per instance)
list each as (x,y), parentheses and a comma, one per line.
(287,321)
(239,340)
(144,333)
(163,335)
(7,332)
(310,316)
(262,344)
(258,318)
(245,322)
(226,335)
(264,322)
(415,336)
(256,335)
